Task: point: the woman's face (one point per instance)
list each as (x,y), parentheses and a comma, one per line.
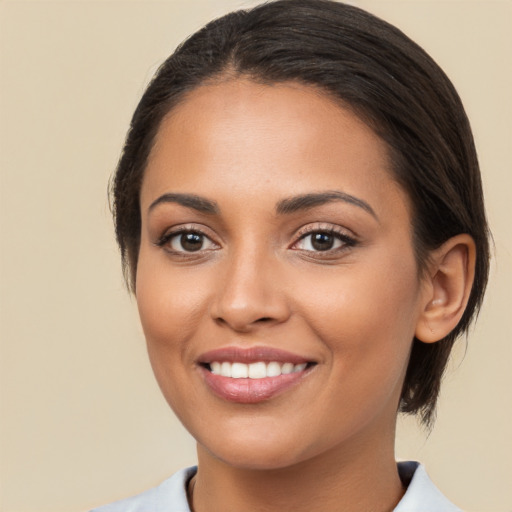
(276,281)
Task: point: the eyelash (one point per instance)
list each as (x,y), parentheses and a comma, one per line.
(346,240)
(165,239)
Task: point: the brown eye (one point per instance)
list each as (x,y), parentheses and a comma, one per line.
(319,241)
(322,241)
(190,241)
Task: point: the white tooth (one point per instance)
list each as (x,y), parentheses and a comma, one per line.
(239,371)
(273,369)
(287,368)
(215,367)
(257,370)
(299,367)
(225,369)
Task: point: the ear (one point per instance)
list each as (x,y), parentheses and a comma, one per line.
(447,288)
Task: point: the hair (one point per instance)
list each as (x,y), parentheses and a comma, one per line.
(386,79)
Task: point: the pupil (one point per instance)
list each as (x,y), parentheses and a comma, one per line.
(322,241)
(191,241)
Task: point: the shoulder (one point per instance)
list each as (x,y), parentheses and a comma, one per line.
(169,496)
(421,495)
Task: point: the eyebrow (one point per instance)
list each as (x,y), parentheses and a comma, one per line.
(308,201)
(286,206)
(192,201)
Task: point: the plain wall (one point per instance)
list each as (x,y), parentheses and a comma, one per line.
(82,420)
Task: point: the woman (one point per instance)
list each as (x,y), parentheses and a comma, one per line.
(300,216)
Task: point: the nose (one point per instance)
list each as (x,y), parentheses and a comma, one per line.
(251,293)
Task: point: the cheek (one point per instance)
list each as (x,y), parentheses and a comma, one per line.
(170,303)
(367,328)
(171,307)
(366,316)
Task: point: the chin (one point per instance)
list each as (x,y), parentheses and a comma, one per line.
(254,452)
(261,459)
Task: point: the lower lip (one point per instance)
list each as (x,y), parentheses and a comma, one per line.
(250,391)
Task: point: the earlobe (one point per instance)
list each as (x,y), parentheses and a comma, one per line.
(450,278)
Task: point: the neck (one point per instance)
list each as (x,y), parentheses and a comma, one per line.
(362,477)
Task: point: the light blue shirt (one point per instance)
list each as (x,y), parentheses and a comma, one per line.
(171,496)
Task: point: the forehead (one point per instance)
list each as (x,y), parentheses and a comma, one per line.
(238,135)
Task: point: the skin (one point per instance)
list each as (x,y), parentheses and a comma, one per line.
(326,443)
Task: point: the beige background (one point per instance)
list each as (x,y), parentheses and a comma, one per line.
(82,421)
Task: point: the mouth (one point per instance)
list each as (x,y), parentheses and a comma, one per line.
(252,375)
(257,370)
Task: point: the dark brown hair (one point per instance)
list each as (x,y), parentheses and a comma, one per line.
(386,79)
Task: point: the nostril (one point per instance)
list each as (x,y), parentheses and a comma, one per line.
(243,326)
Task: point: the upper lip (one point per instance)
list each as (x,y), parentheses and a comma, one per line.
(251,355)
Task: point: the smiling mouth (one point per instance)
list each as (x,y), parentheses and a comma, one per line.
(252,375)
(256,370)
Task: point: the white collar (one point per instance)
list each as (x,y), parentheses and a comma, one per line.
(421,495)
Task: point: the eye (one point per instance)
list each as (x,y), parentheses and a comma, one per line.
(186,241)
(323,241)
